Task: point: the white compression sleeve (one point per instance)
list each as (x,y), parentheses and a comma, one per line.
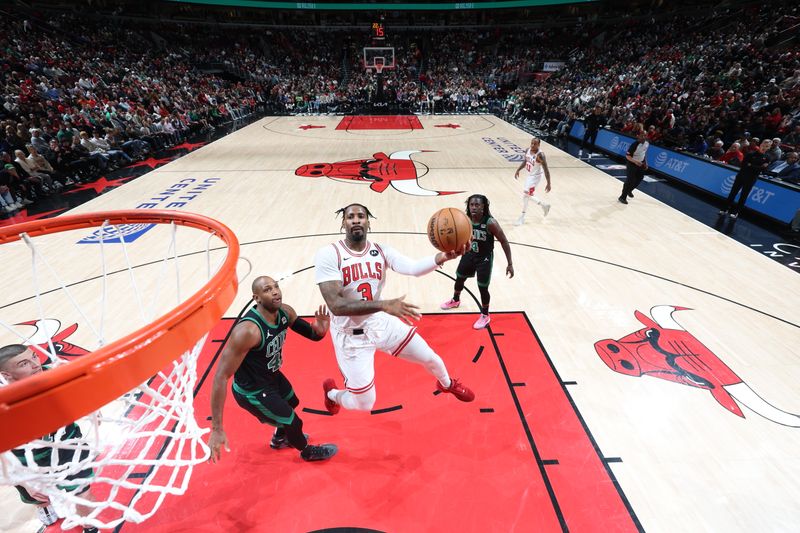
(410,267)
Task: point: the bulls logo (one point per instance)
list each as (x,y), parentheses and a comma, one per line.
(397,169)
(48,331)
(664,350)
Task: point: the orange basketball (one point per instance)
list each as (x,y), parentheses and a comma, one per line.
(449,229)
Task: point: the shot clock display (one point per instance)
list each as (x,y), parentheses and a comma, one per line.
(378,31)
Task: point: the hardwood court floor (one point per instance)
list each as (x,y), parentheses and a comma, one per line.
(682,458)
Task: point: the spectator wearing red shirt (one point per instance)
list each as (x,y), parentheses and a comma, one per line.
(733,156)
(653,135)
(773,120)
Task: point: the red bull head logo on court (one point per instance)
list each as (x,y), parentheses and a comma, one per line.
(665,350)
(381,171)
(47,332)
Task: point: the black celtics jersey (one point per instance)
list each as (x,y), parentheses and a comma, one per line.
(42,456)
(482,238)
(260,363)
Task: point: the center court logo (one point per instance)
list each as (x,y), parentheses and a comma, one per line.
(381,171)
(661,158)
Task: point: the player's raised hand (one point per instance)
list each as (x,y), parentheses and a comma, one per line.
(441,257)
(322,321)
(216,441)
(405,311)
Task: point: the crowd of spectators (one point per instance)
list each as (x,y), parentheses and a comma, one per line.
(712,87)
(82,94)
(80,97)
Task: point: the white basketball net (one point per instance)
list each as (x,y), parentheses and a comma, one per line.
(134,451)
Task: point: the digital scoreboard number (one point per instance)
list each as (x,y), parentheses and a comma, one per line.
(378,31)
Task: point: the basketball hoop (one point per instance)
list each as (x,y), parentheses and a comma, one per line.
(148,446)
(379,58)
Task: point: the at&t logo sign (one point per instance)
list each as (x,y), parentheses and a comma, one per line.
(614,142)
(727,184)
(676,165)
(758,195)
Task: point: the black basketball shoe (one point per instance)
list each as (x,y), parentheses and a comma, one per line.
(323,452)
(279,442)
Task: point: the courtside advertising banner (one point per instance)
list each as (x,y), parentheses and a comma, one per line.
(768,197)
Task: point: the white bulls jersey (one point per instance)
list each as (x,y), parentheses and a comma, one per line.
(362,274)
(533,167)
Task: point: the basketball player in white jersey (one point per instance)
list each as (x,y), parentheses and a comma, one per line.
(535,166)
(351,274)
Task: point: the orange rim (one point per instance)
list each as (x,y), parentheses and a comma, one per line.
(45,402)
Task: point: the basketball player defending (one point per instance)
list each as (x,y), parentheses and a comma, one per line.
(253,356)
(351,274)
(535,166)
(480,256)
(18,362)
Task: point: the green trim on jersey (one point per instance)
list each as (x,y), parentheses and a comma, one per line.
(257,322)
(267,358)
(253,315)
(245,392)
(41,456)
(83,474)
(252,399)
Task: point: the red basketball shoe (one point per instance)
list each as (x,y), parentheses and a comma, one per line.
(330,405)
(457,389)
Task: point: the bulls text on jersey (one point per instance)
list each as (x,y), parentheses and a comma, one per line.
(359,271)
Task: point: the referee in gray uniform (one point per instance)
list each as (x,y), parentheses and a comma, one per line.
(637,164)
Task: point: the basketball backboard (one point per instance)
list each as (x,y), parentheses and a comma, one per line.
(379,58)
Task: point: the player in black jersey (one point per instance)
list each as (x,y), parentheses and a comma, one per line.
(18,362)
(253,356)
(480,256)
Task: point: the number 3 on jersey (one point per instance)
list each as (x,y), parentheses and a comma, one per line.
(366,291)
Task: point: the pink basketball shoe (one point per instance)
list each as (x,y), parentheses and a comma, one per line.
(450,304)
(482,322)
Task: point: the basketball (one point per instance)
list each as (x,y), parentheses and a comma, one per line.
(449,229)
